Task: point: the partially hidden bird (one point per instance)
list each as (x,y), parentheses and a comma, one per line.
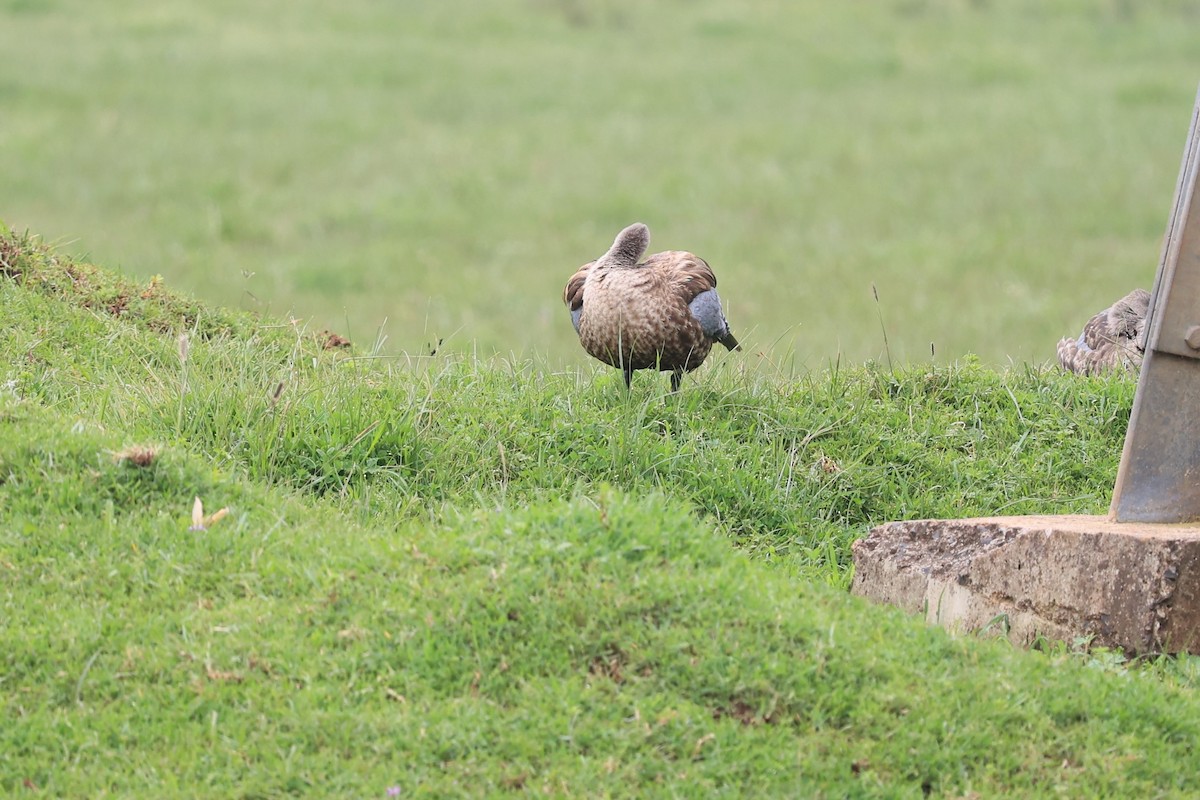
(1111,340)
(659,313)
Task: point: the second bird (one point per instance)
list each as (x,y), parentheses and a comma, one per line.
(661,313)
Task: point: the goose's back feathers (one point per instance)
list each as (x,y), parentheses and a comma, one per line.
(688,274)
(1110,340)
(696,285)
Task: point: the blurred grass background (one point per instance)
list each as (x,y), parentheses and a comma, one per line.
(998,170)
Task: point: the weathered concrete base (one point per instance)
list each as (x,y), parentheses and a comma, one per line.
(1132,586)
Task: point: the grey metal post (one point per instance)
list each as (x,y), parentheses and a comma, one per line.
(1159,476)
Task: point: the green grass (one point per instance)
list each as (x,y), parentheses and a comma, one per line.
(483,577)
(796,466)
(998,170)
(467,575)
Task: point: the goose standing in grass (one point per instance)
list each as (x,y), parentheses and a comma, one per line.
(1110,340)
(661,313)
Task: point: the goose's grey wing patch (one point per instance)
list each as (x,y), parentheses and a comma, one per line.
(706,308)
(573,293)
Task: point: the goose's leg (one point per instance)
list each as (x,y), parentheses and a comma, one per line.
(676,379)
(628,371)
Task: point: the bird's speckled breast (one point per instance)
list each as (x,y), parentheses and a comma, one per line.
(631,317)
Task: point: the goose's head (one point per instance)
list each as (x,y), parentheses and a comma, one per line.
(628,248)
(1127,317)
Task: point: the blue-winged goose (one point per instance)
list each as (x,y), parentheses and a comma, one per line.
(1110,340)
(661,313)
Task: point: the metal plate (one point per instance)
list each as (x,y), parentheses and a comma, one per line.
(1159,477)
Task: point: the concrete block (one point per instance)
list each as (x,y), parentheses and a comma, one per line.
(1133,586)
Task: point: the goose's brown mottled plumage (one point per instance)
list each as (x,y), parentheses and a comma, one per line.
(1110,340)
(661,313)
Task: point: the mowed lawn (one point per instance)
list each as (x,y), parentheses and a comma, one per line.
(421,171)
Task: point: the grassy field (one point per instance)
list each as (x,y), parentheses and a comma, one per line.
(473,578)
(999,171)
(430,570)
